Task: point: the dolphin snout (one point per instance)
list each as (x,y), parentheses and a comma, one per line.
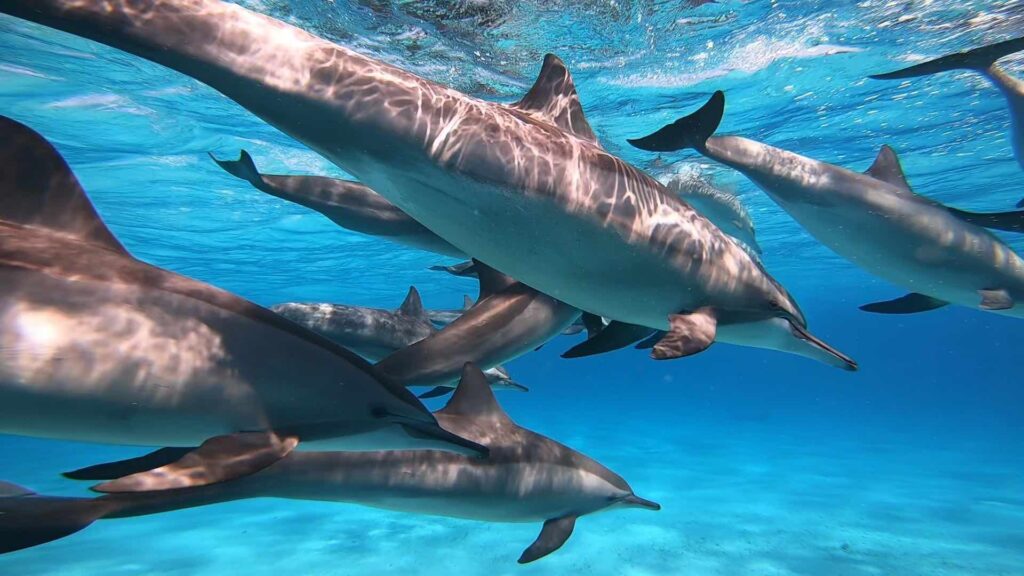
(838,358)
(634,500)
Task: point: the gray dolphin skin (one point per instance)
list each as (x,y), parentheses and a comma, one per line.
(874,219)
(475,173)
(508,320)
(98,346)
(722,208)
(982,60)
(525,478)
(346,203)
(374,333)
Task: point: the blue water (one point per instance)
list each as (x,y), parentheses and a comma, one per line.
(764,463)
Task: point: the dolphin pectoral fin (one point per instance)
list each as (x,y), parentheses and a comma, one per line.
(593,323)
(650,341)
(491,281)
(552,536)
(910,304)
(216,460)
(437,391)
(995,299)
(1020,203)
(120,468)
(687,132)
(1012,221)
(616,335)
(690,334)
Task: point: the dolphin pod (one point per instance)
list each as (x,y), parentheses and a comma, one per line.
(475,173)
(526,477)
(873,219)
(374,333)
(98,346)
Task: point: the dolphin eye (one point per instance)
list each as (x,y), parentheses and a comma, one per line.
(774,303)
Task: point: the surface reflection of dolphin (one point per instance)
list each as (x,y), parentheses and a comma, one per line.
(98,346)
(526,478)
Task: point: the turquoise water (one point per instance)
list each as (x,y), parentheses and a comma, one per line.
(764,463)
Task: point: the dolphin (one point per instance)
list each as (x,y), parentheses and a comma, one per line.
(374,333)
(100,347)
(873,219)
(724,209)
(508,320)
(348,204)
(442,318)
(982,60)
(526,478)
(591,230)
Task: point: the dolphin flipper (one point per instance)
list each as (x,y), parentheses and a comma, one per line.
(995,299)
(689,334)
(464,269)
(650,341)
(552,536)
(28,519)
(910,304)
(111,470)
(976,59)
(218,459)
(614,336)
(437,391)
(1012,221)
(687,132)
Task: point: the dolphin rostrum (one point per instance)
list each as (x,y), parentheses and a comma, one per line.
(98,346)
(374,333)
(982,60)
(591,230)
(508,320)
(348,204)
(873,219)
(526,478)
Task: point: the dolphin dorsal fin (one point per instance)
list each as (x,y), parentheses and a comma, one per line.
(887,169)
(554,100)
(473,397)
(37,188)
(412,305)
(491,281)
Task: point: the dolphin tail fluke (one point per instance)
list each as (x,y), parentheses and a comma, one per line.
(977,59)
(243,168)
(218,459)
(689,131)
(28,519)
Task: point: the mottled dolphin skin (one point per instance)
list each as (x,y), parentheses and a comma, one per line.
(98,346)
(874,220)
(348,204)
(722,208)
(526,478)
(374,333)
(508,320)
(982,60)
(592,231)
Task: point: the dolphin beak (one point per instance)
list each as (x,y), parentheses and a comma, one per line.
(516,386)
(634,500)
(845,362)
(446,440)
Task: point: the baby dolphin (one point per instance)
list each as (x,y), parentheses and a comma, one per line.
(97,346)
(526,478)
(717,205)
(872,219)
(374,333)
(981,60)
(590,230)
(348,204)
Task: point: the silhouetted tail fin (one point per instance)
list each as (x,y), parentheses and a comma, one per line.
(687,132)
(28,519)
(243,168)
(976,59)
